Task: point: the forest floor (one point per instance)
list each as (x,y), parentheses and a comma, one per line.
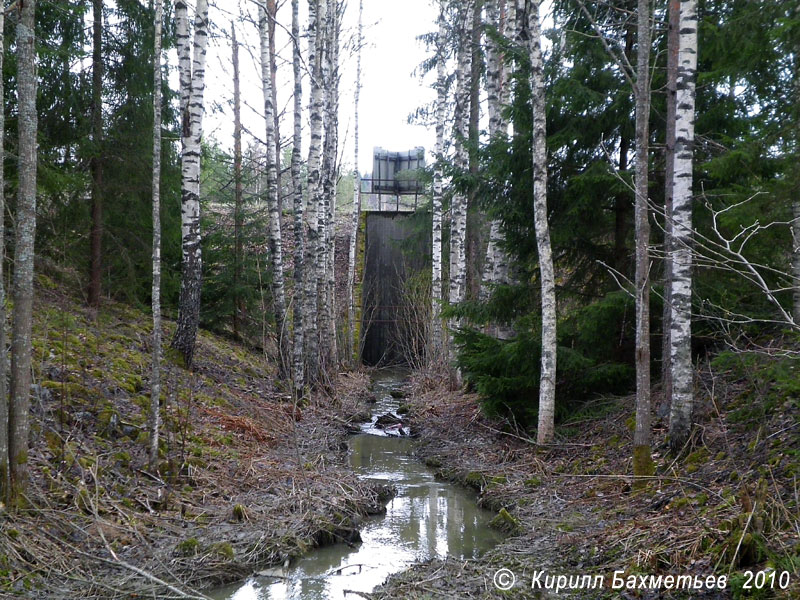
(246,479)
(730,504)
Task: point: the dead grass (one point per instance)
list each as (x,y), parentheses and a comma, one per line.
(728,504)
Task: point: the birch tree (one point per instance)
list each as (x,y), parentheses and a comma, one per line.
(96,234)
(325,252)
(674,13)
(642,459)
(438,185)
(351,255)
(547,382)
(275,241)
(155,373)
(458,209)
(796,202)
(4,481)
(496,268)
(24,237)
(681,254)
(192,71)
(297,196)
(316,29)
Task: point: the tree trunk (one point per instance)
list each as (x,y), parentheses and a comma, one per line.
(192,83)
(622,205)
(297,196)
(438,187)
(796,202)
(155,373)
(272,14)
(275,240)
(351,256)
(642,459)
(4,481)
(493,106)
(622,202)
(681,252)
(674,8)
(547,383)
(316,30)
(476,219)
(496,266)
(25,235)
(96,234)
(237,186)
(458,210)
(325,268)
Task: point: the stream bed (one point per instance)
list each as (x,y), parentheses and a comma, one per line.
(426,519)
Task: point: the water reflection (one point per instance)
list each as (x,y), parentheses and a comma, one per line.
(426,519)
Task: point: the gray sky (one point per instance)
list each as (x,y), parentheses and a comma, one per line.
(389,90)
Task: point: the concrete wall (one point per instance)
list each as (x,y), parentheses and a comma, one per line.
(396,245)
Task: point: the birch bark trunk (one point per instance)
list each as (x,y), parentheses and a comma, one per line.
(458,210)
(316,28)
(24,238)
(275,239)
(642,459)
(325,275)
(496,271)
(155,371)
(96,233)
(796,203)
(438,187)
(674,8)
(298,367)
(547,384)
(681,252)
(351,255)
(4,481)
(192,83)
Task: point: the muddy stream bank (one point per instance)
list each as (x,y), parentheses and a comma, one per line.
(426,519)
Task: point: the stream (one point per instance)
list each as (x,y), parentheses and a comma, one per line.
(426,519)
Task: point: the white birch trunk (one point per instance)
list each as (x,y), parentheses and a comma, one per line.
(25,235)
(351,255)
(155,370)
(674,9)
(191,138)
(316,28)
(297,196)
(547,383)
(496,270)
(681,296)
(458,209)
(642,460)
(275,240)
(796,203)
(4,481)
(327,280)
(438,188)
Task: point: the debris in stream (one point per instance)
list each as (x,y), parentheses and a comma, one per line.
(391,424)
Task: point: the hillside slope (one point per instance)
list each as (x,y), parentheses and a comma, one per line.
(245,478)
(727,506)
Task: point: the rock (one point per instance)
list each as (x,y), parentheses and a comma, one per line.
(398,393)
(42,394)
(385,420)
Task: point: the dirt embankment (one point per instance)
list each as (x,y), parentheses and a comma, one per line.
(246,478)
(727,506)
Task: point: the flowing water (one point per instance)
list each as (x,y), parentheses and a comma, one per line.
(426,519)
